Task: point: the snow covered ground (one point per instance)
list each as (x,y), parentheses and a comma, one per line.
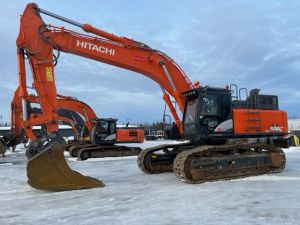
(132,197)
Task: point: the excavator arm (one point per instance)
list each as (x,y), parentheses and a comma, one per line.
(38,41)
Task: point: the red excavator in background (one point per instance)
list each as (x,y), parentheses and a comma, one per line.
(227,137)
(89,141)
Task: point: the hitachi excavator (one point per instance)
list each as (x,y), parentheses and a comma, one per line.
(227,137)
(97,136)
(90,141)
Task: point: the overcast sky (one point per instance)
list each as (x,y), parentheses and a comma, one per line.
(254,44)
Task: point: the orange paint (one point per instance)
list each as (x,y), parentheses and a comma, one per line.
(130,135)
(259,121)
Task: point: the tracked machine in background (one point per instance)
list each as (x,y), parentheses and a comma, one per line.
(227,137)
(102,142)
(93,137)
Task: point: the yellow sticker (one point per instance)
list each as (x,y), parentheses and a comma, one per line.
(49,74)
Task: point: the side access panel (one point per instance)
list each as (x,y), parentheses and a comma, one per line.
(252,121)
(130,135)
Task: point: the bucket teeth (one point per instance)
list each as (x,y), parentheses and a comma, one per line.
(48,170)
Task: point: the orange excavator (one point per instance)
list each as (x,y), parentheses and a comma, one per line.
(227,137)
(96,136)
(89,141)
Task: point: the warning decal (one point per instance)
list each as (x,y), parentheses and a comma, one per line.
(49,74)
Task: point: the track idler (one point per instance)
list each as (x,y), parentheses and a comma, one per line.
(159,159)
(47,168)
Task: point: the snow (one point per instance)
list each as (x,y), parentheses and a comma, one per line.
(61,126)
(132,197)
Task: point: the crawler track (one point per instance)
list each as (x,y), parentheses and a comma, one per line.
(75,148)
(107,151)
(209,163)
(85,151)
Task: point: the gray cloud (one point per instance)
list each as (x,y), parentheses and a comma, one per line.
(250,43)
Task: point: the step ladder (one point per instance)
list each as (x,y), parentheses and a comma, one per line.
(254,117)
(254,123)
(254,120)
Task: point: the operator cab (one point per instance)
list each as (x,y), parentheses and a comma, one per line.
(104,131)
(205,109)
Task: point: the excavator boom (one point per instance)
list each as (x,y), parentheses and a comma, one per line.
(107,48)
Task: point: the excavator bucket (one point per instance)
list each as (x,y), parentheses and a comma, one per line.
(49,170)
